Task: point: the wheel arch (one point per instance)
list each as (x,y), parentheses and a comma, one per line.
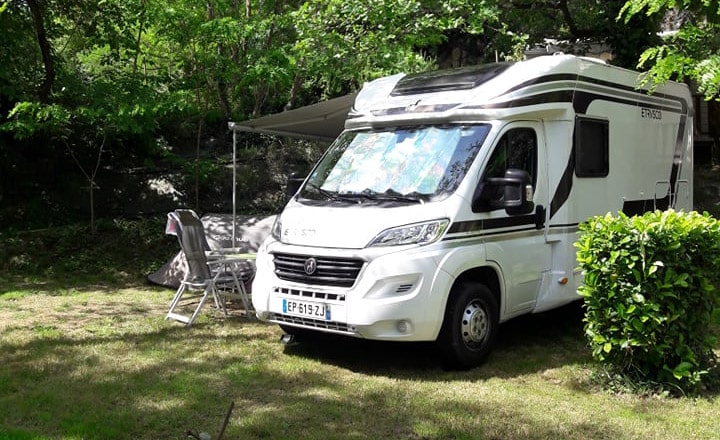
(487,275)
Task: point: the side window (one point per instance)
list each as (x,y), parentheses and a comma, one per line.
(591,143)
(517,149)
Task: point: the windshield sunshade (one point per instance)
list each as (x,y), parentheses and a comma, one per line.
(400,165)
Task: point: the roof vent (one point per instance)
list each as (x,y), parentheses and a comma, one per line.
(462,78)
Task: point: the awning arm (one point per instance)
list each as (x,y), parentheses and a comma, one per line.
(235,127)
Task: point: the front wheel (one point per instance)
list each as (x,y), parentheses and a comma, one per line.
(470,326)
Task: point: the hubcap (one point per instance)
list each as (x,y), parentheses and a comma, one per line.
(474,325)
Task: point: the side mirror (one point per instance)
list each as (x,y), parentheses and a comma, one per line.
(513,192)
(294,181)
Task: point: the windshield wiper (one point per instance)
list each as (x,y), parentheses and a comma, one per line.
(413,197)
(389,195)
(333,196)
(325,193)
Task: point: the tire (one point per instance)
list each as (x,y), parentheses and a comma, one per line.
(470,326)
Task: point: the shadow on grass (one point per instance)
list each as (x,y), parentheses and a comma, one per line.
(63,387)
(526,344)
(70,388)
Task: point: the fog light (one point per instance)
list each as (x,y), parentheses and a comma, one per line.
(403,326)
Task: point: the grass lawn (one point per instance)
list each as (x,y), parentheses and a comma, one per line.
(85,353)
(102,363)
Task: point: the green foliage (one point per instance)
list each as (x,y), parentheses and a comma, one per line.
(581,23)
(28,118)
(343,42)
(688,54)
(119,251)
(650,294)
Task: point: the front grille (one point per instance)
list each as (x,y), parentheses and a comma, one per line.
(324,296)
(312,323)
(339,272)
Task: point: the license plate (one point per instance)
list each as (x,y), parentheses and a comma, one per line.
(306,309)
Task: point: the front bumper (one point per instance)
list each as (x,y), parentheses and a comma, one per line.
(398,295)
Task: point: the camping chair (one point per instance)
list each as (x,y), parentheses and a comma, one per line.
(208,273)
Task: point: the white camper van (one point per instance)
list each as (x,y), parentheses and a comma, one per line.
(451,201)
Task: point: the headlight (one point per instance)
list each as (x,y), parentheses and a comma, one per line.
(418,233)
(276,231)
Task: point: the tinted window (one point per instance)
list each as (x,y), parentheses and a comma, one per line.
(516,149)
(591,147)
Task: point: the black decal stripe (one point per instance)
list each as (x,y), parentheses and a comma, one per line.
(474,230)
(490,233)
(564,226)
(583,99)
(640,207)
(586,79)
(491,224)
(544,79)
(541,98)
(580,99)
(562,192)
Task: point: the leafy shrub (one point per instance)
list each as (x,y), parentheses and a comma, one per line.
(650,294)
(120,251)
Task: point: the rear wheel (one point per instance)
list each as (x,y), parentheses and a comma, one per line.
(470,326)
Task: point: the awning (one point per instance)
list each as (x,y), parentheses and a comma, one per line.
(322,121)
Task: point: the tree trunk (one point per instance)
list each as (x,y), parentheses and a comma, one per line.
(45,50)
(138,40)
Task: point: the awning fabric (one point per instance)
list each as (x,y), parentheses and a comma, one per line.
(322,121)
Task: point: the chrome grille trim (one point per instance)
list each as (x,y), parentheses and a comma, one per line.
(339,327)
(330,271)
(310,294)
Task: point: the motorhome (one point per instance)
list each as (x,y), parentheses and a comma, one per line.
(451,201)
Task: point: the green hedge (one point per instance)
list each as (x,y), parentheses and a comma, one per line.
(650,294)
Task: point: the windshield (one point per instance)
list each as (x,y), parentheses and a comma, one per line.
(401,165)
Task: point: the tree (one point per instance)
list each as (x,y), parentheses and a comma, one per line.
(579,23)
(343,43)
(690,52)
(100,102)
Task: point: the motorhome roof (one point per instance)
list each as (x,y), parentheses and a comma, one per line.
(561,83)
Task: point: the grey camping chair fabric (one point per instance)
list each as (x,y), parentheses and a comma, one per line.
(219,275)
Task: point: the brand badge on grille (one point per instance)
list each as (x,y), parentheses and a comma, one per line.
(310,266)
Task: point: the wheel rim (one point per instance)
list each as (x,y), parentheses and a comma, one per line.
(475,325)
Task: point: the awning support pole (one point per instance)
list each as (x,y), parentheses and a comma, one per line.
(234,186)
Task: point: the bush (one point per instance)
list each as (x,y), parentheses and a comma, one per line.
(120,251)
(650,295)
